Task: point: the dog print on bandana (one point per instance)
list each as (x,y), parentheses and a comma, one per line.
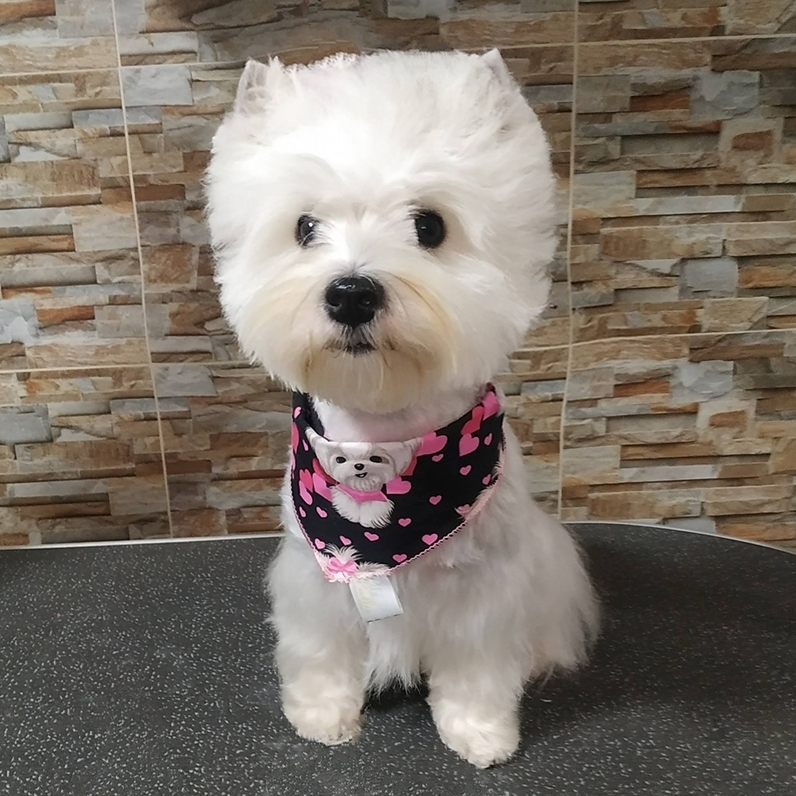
(368,508)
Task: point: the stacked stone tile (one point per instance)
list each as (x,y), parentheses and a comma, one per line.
(659,386)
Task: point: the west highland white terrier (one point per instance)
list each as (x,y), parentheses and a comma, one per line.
(383,226)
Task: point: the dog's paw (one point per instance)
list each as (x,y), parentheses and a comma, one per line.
(327,723)
(482,742)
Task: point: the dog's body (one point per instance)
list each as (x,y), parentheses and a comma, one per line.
(383,225)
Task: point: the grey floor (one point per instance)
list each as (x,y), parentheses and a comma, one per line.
(145,670)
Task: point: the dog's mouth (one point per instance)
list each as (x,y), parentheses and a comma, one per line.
(361,475)
(356,342)
(358,349)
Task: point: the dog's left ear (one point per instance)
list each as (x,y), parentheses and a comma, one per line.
(402,454)
(494,60)
(258,84)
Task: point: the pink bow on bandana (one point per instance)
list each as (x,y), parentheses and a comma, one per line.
(343,569)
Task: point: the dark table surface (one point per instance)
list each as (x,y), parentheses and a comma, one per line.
(145,670)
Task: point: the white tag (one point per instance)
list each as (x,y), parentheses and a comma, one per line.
(375,597)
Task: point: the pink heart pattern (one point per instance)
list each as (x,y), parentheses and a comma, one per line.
(321,513)
(438,458)
(405,521)
(321,487)
(491,404)
(397,487)
(320,544)
(474,423)
(465,470)
(306,496)
(345,541)
(432,443)
(371,537)
(429,538)
(399,558)
(468,444)
(435,499)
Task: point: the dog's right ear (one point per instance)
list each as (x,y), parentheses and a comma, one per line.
(258,84)
(494,60)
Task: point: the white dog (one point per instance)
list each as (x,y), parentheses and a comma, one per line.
(382,227)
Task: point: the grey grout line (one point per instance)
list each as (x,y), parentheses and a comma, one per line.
(570,317)
(634,337)
(689,39)
(228,364)
(74,368)
(141,271)
(231,363)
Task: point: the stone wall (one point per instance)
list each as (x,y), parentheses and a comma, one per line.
(661,386)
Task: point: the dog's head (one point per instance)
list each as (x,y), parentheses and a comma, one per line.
(361,465)
(382,223)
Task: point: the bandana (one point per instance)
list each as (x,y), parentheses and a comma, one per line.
(369,508)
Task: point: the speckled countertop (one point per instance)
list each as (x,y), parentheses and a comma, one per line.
(145,670)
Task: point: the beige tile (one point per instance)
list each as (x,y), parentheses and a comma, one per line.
(226,432)
(170,148)
(779,529)
(534,385)
(152,33)
(661,19)
(493,25)
(222,31)
(50,35)
(695,426)
(77,461)
(683,192)
(70,283)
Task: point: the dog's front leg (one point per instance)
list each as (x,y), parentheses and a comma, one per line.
(479,723)
(321,648)
(474,698)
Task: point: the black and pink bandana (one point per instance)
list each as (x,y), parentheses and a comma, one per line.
(369,508)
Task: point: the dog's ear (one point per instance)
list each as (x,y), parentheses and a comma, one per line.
(324,449)
(494,60)
(402,454)
(258,84)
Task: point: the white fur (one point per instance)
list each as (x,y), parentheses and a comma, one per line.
(362,143)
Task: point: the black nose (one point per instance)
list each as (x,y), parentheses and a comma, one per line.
(353,300)
(359,466)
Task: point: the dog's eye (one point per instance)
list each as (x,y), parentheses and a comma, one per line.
(306,228)
(340,459)
(430,229)
(376,459)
